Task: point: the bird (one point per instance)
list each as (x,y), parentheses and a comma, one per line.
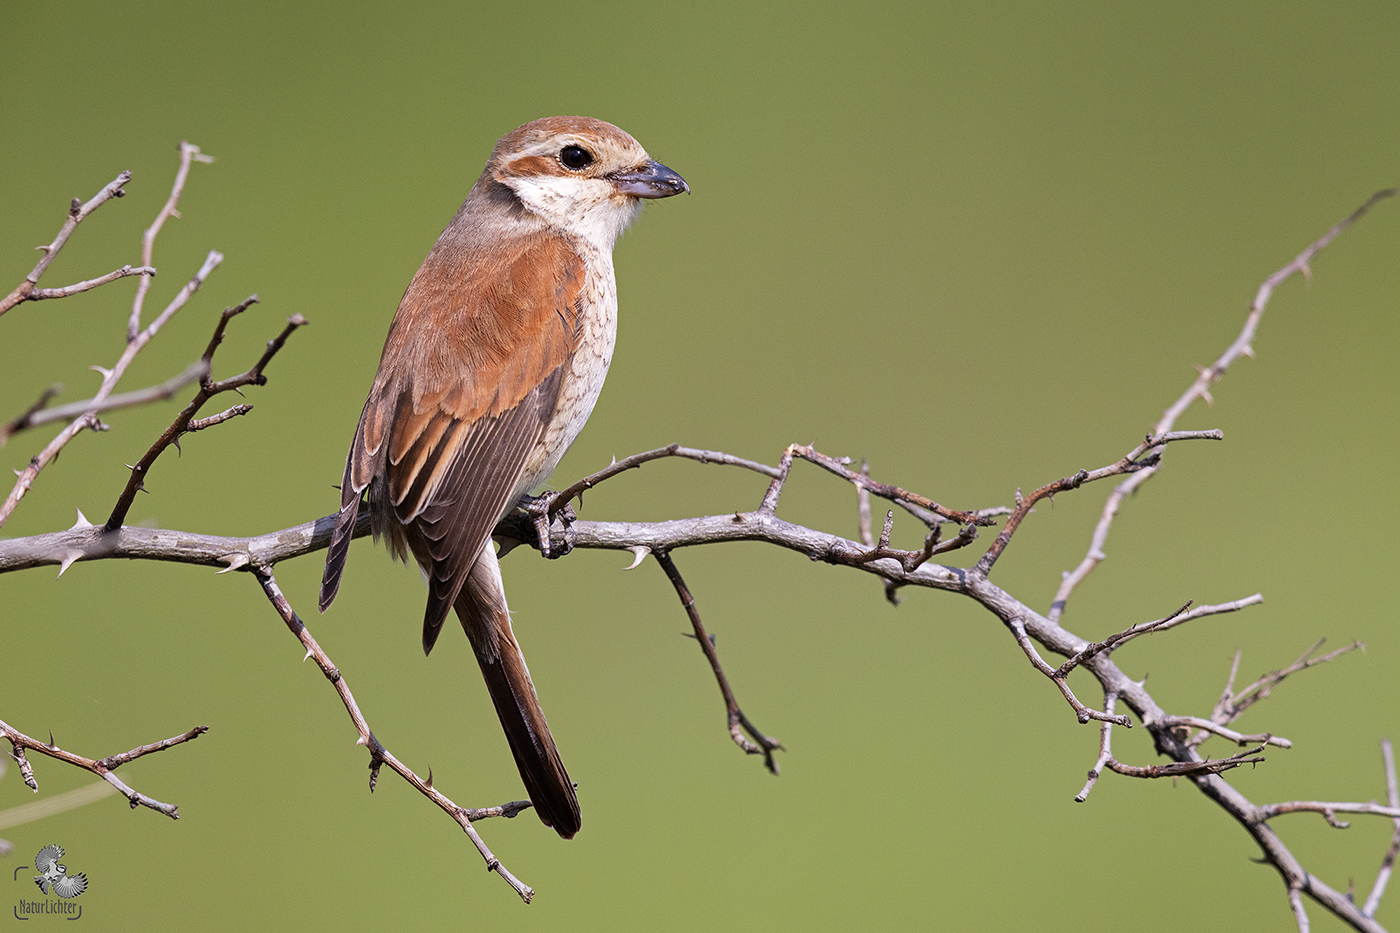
(492,364)
(54,877)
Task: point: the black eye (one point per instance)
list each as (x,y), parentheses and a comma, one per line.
(575,157)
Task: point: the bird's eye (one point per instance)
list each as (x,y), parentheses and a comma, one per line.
(575,157)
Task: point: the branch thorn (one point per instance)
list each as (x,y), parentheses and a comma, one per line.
(68,558)
(234,560)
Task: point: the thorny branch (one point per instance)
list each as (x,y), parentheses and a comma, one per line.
(102,767)
(1231,705)
(77,211)
(1172,734)
(208,388)
(1208,376)
(379,755)
(38,414)
(189,154)
(136,337)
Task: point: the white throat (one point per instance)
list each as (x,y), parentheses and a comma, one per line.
(588,208)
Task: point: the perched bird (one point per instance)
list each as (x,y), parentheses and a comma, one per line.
(55,878)
(492,365)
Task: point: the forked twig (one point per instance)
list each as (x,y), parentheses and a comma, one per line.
(185,421)
(77,211)
(102,767)
(379,755)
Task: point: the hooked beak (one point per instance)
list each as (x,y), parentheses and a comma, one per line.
(652,180)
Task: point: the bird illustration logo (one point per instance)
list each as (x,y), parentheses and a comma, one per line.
(55,878)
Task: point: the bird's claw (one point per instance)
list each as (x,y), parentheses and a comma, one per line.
(537,507)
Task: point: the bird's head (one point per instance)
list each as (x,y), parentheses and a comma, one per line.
(586,177)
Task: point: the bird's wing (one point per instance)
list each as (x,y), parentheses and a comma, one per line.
(70,885)
(48,857)
(470,375)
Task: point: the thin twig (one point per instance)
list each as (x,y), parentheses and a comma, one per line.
(867,537)
(1189,768)
(1392,793)
(1200,389)
(379,755)
(737,722)
(77,288)
(1295,901)
(1082,712)
(885,490)
(77,211)
(1110,700)
(1141,457)
(103,768)
(1329,810)
(110,377)
(189,153)
(157,393)
(207,390)
(1196,722)
(1262,687)
(564,496)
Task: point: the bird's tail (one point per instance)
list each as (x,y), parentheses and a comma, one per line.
(481,606)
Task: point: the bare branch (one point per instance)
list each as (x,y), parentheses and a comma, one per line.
(1180,617)
(379,755)
(866,536)
(110,378)
(1143,456)
(1295,900)
(102,768)
(40,294)
(762,744)
(1262,687)
(561,498)
(1200,389)
(77,211)
(1196,722)
(157,393)
(1373,901)
(199,424)
(1189,768)
(1082,712)
(1329,810)
(184,422)
(884,490)
(189,153)
(1110,700)
(136,340)
(1243,345)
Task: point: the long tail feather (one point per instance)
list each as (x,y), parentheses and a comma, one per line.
(482,608)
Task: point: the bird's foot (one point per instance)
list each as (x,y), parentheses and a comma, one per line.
(537,507)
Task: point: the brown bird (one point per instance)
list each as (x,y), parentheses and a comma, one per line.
(492,365)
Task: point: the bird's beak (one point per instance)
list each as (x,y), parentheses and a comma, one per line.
(652,180)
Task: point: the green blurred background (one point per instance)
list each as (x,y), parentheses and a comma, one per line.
(981,244)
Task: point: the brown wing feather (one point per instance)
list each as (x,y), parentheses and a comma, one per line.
(469,377)
(477,489)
